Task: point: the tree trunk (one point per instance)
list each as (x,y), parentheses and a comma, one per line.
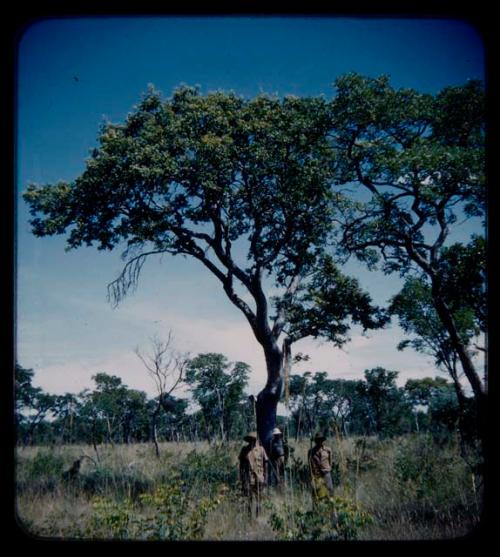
(268,398)
(110,434)
(154,430)
(480,395)
(465,359)
(221,416)
(94,442)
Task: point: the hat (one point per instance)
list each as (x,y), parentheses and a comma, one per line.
(252,436)
(319,437)
(277,431)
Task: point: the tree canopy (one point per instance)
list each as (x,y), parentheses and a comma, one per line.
(251,188)
(419,161)
(203,176)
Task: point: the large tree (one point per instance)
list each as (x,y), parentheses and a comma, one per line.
(243,186)
(417,162)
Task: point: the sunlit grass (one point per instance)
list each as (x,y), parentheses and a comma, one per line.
(411,489)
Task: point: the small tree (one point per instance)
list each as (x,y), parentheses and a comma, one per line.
(386,407)
(106,401)
(417,316)
(66,410)
(166,367)
(32,404)
(24,396)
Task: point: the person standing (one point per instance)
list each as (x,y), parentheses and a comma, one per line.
(277,458)
(320,465)
(253,462)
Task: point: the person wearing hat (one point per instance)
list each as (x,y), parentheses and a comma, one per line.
(277,457)
(320,464)
(253,471)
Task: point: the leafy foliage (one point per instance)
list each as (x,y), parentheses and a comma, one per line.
(197,175)
(427,474)
(214,468)
(329,304)
(334,518)
(386,408)
(421,161)
(166,513)
(218,389)
(257,168)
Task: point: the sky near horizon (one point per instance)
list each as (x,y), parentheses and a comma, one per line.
(75,73)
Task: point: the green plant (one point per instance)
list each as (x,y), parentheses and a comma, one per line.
(42,473)
(434,484)
(170,512)
(333,518)
(44,463)
(210,468)
(111,518)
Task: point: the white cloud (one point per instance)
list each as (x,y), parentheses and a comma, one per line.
(93,338)
(232,338)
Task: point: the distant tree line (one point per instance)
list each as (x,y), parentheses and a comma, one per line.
(220,409)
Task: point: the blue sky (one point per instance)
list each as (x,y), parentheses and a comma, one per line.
(66,330)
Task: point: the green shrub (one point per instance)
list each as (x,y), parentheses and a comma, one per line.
(111,518)
(365,455)
(104,481)
(41,473)
(168,513)
(209,468)
(333,518)
(44,463)
(431,477)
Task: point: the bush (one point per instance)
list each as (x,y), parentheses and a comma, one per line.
(431,477)
(45,464)
(365,454)
(104,480)
(333,518)
(41,473)
(210,468)
(170,513)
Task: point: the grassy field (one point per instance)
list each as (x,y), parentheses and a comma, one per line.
(397,489)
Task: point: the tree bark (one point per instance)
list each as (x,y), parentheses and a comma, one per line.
(154,430)
(465,359)
(268,398)
(480,395)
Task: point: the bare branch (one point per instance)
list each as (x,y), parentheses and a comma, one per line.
(164,365)
(128,278)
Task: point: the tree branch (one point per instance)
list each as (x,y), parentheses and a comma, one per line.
(128,278)
(280,321)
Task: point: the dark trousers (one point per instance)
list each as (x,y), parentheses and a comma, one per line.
(277,471)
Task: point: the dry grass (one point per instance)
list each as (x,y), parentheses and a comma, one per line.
(367,473)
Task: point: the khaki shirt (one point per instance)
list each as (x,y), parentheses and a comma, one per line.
(320,460)
(253,464)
